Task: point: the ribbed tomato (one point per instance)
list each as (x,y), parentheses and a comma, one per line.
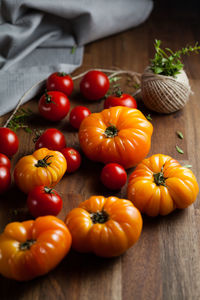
(33,248)
(43,167)
(104,226)
(160,184)
(118,134)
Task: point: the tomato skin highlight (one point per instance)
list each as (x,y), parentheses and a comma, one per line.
(77,115)
(94,85)
(9,141)
(123,100)
(73,159)
(52,139)
(56,108)
(61,82)
(5,178)
(5,161)
(43,201)
(113,176)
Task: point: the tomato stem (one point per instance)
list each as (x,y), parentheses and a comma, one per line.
(118,92)
(159,178)
(48,190)
(99,217)
(26,245)
(61,74)
(43,162)
(111,131)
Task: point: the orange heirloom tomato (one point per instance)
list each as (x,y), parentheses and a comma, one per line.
(43,167)
(160,184)
(104,226)
(33,248)
(118,134)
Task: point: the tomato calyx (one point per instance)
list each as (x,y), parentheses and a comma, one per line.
(43,162)
(62,74)
(99,217)
(48,98)
(159,178)
(118,93)
(26,245)
(48,190)
(111,131)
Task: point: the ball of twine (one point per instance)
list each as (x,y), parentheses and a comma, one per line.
(164,94)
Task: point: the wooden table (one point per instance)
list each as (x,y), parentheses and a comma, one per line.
(165,263)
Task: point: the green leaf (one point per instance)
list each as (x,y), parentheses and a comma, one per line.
(149,117)
(180,135)
(73,50)
(179,150)
(114,79)
(187,166)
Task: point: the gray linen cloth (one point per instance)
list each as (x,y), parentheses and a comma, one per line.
(37,36)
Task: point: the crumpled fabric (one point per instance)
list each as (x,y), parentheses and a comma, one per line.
(36,37)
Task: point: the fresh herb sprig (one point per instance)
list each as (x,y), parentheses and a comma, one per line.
(20,120)
(168,63)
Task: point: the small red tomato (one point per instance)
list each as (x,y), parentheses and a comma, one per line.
(73,159)
(4,161)
(5,178)
(61,82)
(77,115)
(113,176)
(52,139)
(44,201)
(9,142)
(120,99)
(94,85)
(54,106)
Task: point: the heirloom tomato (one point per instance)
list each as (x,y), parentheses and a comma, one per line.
(43,167)
(32,248)
(119,134)
(60,81)
(9,142)
(104,226)
(94,85)
(160,184)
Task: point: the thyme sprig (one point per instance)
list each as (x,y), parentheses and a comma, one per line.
(20,120)
(168,63)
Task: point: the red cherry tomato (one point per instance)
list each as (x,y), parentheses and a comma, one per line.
(120,99)
(52,139)
(4,161)
(94,85)
(73,159)
(44,201)
(5,178)
(54,106)
(113,176)
(61,82)
(77,115)
(9,142)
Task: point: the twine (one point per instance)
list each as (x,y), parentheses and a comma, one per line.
(164,94)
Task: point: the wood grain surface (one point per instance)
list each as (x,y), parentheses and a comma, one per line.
(165,263)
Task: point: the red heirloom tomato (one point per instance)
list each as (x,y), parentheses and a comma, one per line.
(4,161)
(54,106)
(73,159)
(118,134)
(94,85)
(9,142)
(60,81)
(5,178)
(32,248)
(104,226)
(120,99)
(52,139)
(44,201)
(160,184)
(77,115)
(113,176)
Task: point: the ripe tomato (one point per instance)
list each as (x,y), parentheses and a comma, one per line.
(43,201)
(9,141)
(73,159)
(5,178)
(4,161)
(113,176)
(52,139)
(54,106)
(120,99)
(61,82)
(94,85)
(77,115)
